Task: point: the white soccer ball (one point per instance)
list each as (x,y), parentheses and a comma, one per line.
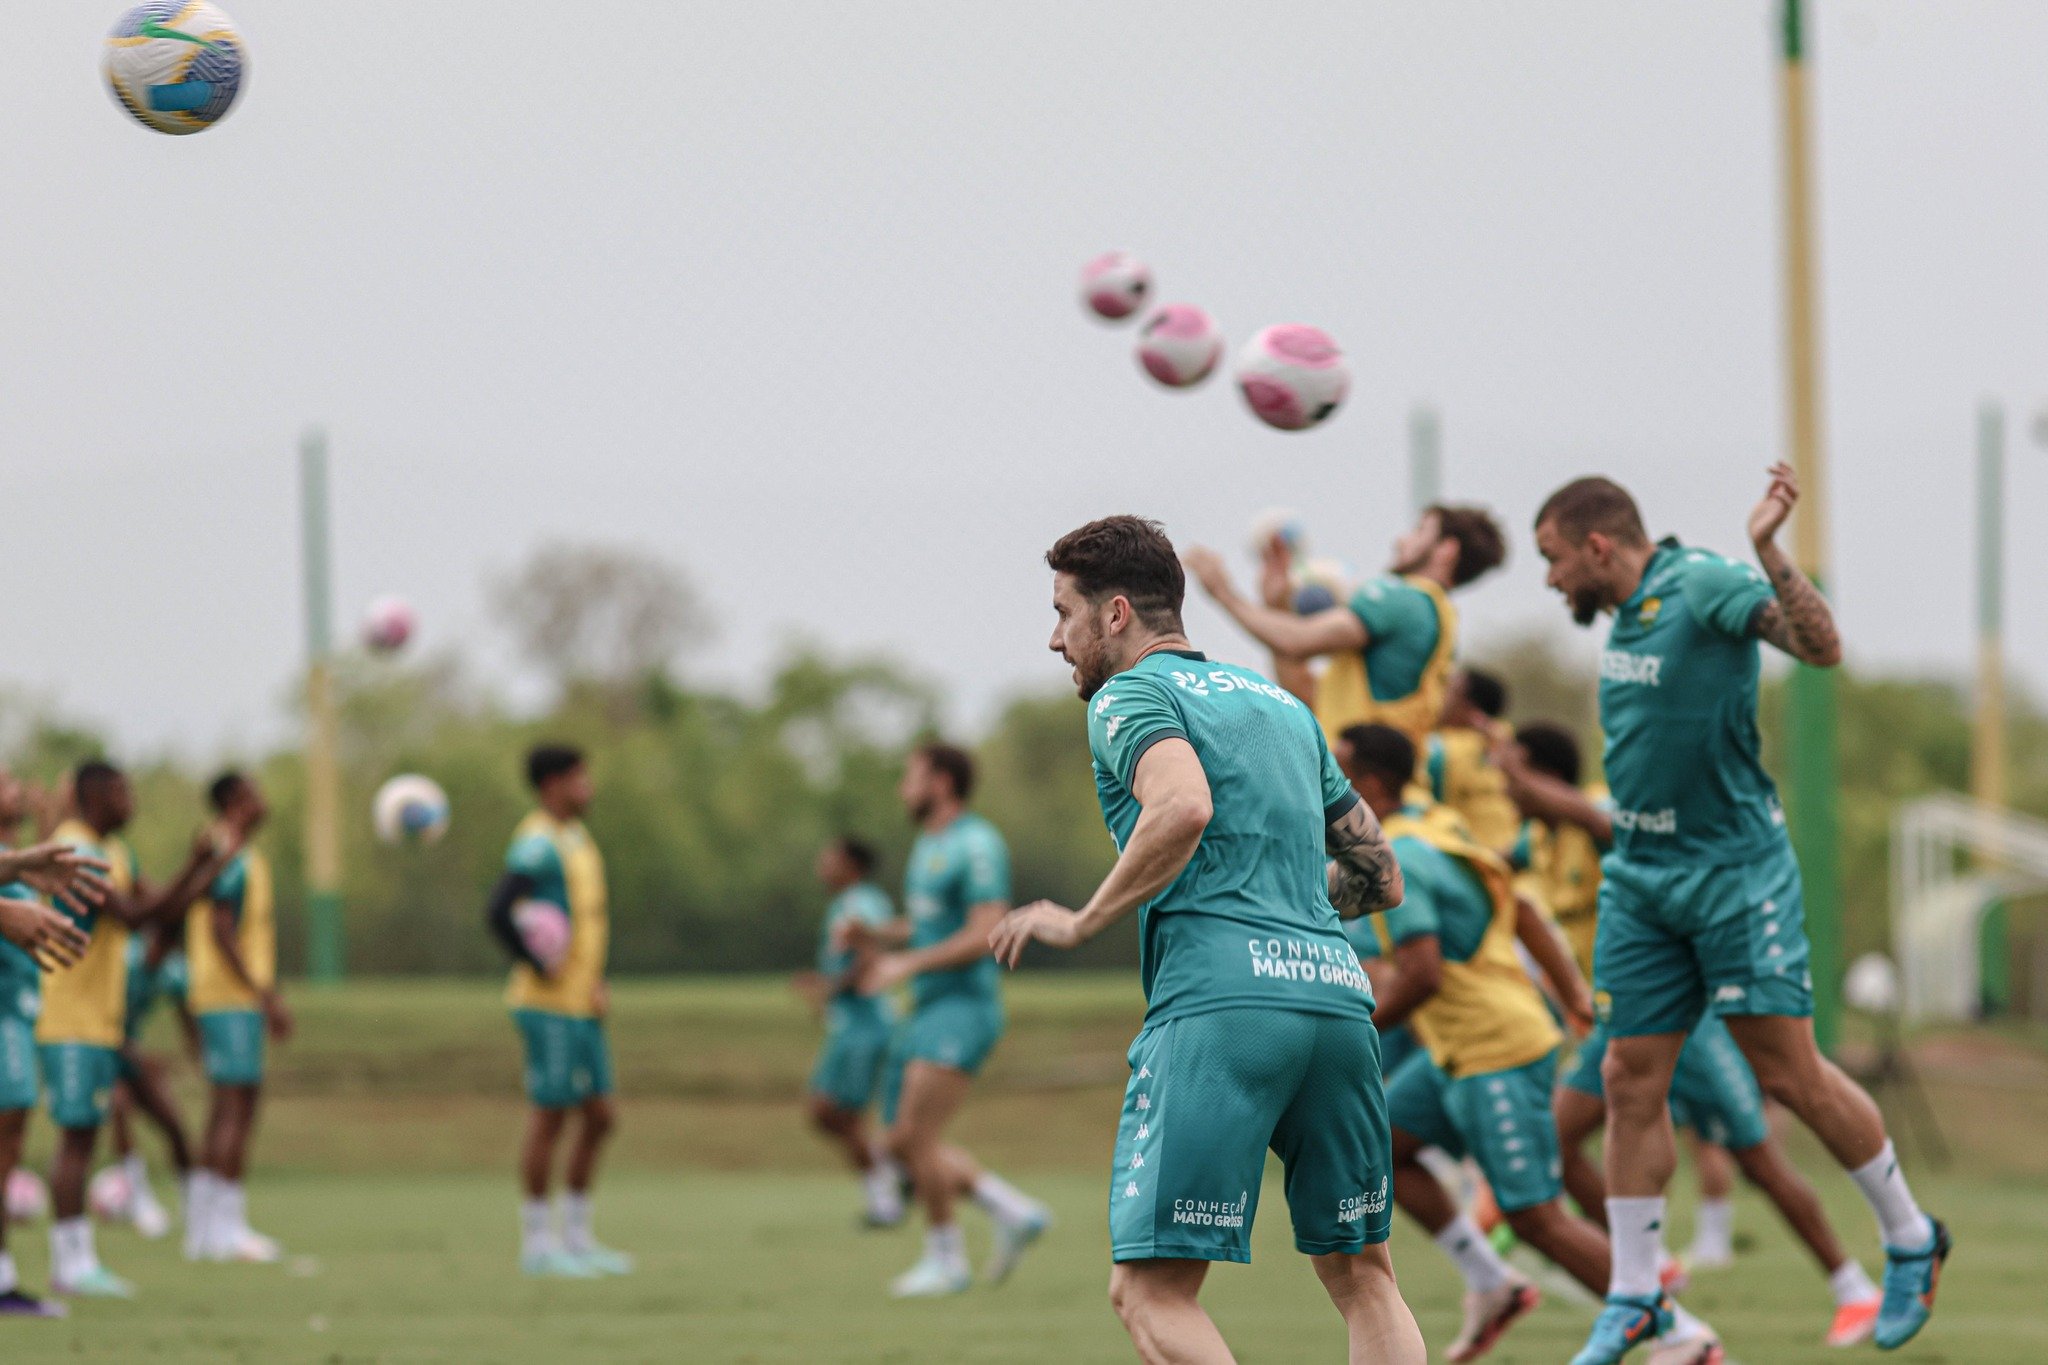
(387,625)
(1293,376)
(1115,285)
(175,67)
(410,810)
(27,1198)
(1179,345)
(1284,522)
(109,1195)
(1321,584)
(1872,984)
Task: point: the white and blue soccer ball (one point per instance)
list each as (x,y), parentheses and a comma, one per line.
(410,810)
(176,67)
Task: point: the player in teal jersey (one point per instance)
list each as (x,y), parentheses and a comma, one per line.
(1700,907)
(955,889)
(857,1029)
(1240,845)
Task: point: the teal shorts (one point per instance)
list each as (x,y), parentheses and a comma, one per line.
(1713,1090)
(168,981)
(849,1066)
(1501,1119)
(231,1043)
(18,1088)
(1676,942)
(1210,1094)
(568,1060)
(957,1031)
(78,1077)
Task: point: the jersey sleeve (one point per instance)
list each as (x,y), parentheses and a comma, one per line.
(1523,855)
(1390,609)
(1338,796)
(230,886)
(870,905)
(1417,914)
(1128,717)
(1725,595)
(533,856)
(986,874)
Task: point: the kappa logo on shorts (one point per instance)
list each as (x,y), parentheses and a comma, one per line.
(1730,995)
(1131,1190)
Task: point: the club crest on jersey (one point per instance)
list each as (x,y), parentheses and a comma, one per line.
(1647,614)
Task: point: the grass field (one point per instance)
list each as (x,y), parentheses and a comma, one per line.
(384,1170)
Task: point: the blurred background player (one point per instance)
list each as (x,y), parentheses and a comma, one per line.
(1389,649)
(1700,908)
(156,971)
(857,1028)
(561,1016)
(1482,1088)
(1714,1094)
(231,950)
(82,1027)
(1458,763)
(1234,830)
(955,889)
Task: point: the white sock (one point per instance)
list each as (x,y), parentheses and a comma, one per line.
(1713,1236)
(1685,1327)
(1898,1217)
(71,1250)
(1850,1285)
(536,1228)
(577,1237)
(198,1212)
(10,1279)
(884,1191)
(1004,1201)
(137,1171)
(946,1245)
(1477,1261)
(1637,1229)
(232,1206)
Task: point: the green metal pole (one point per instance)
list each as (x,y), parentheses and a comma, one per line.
(324,954)
(1814,753)
(1988,781)
(1425,457)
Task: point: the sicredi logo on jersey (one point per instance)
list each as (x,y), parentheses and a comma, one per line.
(1226,683)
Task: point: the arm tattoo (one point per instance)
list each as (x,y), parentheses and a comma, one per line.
(1800,621)
(1364,878)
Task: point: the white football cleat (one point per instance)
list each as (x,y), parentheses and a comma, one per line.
(930,1279)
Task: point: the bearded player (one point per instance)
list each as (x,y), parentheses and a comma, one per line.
(1700,907)
(1240,846)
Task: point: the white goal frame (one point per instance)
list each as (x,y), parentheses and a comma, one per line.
(1952,860)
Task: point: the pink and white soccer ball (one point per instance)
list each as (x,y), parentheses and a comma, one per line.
(388,624)
(1293,376)
(27,1198)
(1180,345)
(1115,285)
(544,928)
(110,1195)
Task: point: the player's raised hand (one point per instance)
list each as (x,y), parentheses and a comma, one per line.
(62,873)
(1053,925)
(1276,577)
(1208,570)
(47,935)
(1770,514)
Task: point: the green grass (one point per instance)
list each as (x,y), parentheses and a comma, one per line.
(385,1169)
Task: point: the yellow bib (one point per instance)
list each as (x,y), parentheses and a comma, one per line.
(1476,789)
(1565,864)
(572,990)
(214,987)
(1344,691)
(86,1002)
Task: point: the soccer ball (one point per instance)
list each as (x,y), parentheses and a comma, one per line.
(27,1198)
(175,67)
(1179,345)
(1293,376)
(387,625)
(110,1195)
(544,928)
(1284,522)
(1115,284)
(410,810)
(1321,584)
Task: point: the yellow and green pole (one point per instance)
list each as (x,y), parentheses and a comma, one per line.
(324,957)
(1814,764)
(1988,781)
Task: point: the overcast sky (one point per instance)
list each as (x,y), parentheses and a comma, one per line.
(786,293)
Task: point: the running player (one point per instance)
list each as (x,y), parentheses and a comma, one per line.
(231,945)
(156,971)
(1458,759)
(857,1029)
(1482,1088)
(1390,648)
(1713,1090)
(955,889)
(80,1033)
(1224,804)
(1700,907)
(560,1014)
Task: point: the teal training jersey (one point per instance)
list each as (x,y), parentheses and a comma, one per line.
(1401,630)
(868,904)
(1678,693)
(964,865)
(535,857)
(1248,922)
(1441,896)
(21,980)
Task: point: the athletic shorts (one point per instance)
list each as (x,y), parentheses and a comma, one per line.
(1501,1119)
(568,1059)
(18,1087)
(957,1031)
(1210,1094)
(78,1077)
(168,981)
(1676,942)
(231,1043)
(1713,1090)
(849,1066)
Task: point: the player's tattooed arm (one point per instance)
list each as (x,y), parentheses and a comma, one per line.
(1800,622)
(1365,878)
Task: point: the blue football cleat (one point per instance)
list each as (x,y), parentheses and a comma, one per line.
(1623,1325)
(1910,1279)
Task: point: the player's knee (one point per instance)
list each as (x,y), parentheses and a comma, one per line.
(1535,1224)
(1135,1296)
(600,1117)
(904,1142)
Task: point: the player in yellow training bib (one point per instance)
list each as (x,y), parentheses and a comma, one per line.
(1458,764)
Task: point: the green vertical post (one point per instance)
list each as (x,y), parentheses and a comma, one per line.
(1814,753)
(324,950)
(1988,780)
(1425,457)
